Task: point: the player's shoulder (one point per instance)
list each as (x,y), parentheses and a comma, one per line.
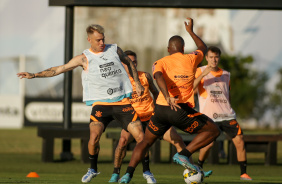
(195,53)
(79,57)
(158,63)
(86,51)
(157,66)
(78,60)
(111,46)
(166,60)
(201,68)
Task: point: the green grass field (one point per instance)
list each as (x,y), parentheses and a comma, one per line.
(20,153)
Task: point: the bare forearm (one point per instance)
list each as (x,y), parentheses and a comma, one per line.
(50,72)
(131,68)
(162,85)
(164,91)
(133,72)
(53,71)
(198,41)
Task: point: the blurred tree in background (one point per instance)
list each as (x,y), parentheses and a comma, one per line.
(275,99)
(248,90)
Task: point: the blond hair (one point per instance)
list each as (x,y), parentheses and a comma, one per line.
(95,27)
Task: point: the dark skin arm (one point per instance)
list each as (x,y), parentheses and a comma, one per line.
(152,87)
(162,86)
(199,43)
(132,70)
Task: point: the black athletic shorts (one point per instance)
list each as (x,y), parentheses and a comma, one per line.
(106,113)
(145,124)
(186,119)
(230,127)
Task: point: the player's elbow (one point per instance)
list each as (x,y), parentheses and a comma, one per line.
(203,48)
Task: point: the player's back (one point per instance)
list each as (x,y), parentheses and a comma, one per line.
(179,73)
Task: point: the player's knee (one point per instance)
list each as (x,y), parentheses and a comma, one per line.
(122,142)
(94,138)
(147,142)
(214,129)
(239,143)
(139,138)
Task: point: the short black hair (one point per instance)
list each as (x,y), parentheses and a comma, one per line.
(214,50)
(130,52)
(177,40)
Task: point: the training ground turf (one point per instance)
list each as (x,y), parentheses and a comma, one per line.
(20,153)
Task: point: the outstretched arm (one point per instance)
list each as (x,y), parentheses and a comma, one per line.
(162,85)
(152,87)
(132,70)
(199,43)
(53,71)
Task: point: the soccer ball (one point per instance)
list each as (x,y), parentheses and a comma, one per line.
(191,177)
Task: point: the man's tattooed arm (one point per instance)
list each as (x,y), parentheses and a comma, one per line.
(132,70)
(50,72)
(126,60)
(53,71)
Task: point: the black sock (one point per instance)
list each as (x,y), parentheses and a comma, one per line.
(130,170)
(185,152)
(200,163)
(117,170)
(93,162)
(243,167)
(145,163)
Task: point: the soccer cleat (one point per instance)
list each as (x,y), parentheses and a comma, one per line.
(149,177)
(207,173)
(125,179)
(245,177)
(184,161)
(114,178)
(91,173)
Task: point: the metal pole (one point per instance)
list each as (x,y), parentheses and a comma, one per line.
(68,75)
(67,122)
